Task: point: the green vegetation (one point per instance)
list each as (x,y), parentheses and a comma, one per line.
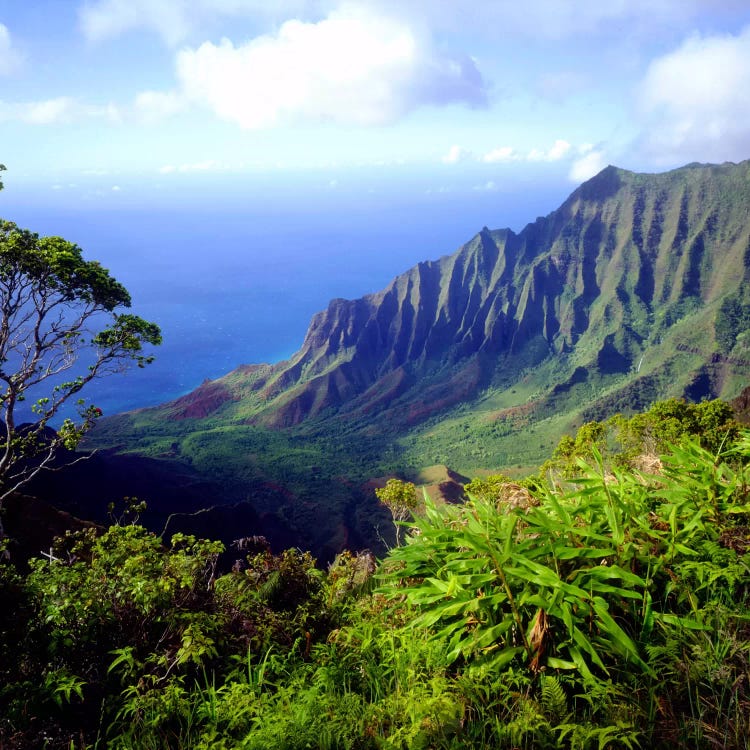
(597,606)
(633,291)
(401,500)
(733,320)
(636,442)
(55,309)
(603,601)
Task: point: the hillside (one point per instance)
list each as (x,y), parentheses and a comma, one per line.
(631,267)
(601,611)
(634,289)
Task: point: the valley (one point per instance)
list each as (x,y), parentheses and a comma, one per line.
(633,291)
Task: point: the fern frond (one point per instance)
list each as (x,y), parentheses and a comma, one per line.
(553,700)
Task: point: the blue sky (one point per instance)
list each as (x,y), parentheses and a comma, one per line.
(238,163)
(127,100)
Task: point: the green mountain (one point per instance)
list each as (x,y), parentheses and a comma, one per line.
(635,289)
(633,275)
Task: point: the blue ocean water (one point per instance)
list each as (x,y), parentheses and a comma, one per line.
(233,282)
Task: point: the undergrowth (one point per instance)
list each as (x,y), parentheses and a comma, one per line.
(600,607)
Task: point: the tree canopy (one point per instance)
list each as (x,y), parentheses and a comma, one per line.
(59,330)
(401,500)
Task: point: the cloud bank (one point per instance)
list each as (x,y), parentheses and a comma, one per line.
(695,101)
(505,154)
(61,110)
(352,68)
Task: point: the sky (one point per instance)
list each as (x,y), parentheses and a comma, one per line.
(238,163)
(148,100)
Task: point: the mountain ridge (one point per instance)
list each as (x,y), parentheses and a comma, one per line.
(622,248)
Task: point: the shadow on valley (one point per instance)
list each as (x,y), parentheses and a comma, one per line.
(321,515)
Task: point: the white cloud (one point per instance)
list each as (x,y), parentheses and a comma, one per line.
(559,149)
(148,106)
(590,161)
(62,110)
(175,20)
(108,18)
(353,67)
(10,58)
(695,101)
(502,154)
(457,154)
(47,112)
(488,187)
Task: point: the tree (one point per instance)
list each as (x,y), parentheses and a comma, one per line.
(59,330)
(401,499)
(489,489)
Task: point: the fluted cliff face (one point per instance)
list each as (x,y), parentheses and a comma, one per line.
(607,275)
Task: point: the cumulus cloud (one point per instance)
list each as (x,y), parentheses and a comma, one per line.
(502,154)
(559,149)
(695,101)
(353,67)
(10,58)
(61,110)
(457,154)
(590,161)
(148,106)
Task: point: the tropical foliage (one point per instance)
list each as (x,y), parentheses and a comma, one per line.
(606,607)
(59,330)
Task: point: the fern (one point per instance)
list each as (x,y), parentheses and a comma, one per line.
(553,700)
